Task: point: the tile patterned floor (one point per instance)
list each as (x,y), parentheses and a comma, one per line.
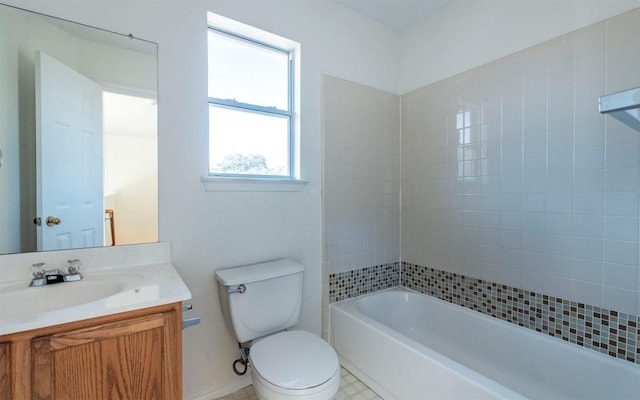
(350,389)
(246,393)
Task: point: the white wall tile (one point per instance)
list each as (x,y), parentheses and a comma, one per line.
(557,201)
(559,161)
(621,204)
(590,134)
(534,183)
(510,221)
(558,286)
(533,280)
(535,158)
(587,293)
(588,225)
(361,176)
(510,201)
(617,132)
(588,203)
(589,158)
(621,228)
(622,180)
(621,252)
(534,203)
(558,245)
(558,224)
(587,248)
(511,182)
(588,181)
(534,262)
(623,156)
(560,182)
(533,242)
(621,276)
(590,45)
(533,222)
(622,300)
(558,265)
(590,271)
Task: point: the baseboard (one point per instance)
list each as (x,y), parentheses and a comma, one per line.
(218,391)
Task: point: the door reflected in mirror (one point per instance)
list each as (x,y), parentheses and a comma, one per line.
(78,135)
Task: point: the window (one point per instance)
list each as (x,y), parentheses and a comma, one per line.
(251,105)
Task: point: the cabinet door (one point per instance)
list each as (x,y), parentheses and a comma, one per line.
(5,370)
(130,359)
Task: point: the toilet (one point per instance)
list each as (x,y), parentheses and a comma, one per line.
(259,303)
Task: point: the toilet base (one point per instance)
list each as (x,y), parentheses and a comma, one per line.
(267,391)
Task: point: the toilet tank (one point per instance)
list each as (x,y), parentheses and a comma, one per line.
(260,299)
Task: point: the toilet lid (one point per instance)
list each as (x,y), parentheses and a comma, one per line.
(294,359)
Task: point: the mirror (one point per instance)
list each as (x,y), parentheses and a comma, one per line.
(76,170)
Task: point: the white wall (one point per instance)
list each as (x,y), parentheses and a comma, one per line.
(9,143)
(212,230)
(131,180)
(468,33)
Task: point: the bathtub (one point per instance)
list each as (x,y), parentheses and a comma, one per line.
(405,345)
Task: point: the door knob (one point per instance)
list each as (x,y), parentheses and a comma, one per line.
(51,221)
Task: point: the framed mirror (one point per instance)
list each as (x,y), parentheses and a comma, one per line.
(78,135)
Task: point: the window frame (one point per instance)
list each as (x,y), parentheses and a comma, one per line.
(232,104)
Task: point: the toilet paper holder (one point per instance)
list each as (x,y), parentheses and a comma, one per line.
(189,322)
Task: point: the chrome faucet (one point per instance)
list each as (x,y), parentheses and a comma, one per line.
(37,270)
(73,271)
(42,276)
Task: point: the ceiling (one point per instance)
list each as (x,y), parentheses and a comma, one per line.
(396,14)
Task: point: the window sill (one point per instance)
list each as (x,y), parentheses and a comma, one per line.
(220,184)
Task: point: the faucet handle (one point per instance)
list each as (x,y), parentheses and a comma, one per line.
(37,270)
(73,271)
(73,266)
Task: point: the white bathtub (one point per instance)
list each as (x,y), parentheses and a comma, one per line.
(405,345)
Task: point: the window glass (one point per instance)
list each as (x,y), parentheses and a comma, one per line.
(250,115)
(244,142)
(247,72)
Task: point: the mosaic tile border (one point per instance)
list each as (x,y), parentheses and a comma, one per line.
(607,331)
(361,281)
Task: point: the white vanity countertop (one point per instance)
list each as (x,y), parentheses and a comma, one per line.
(101,292)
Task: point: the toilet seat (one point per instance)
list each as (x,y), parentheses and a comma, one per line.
(295,364)
(267,391)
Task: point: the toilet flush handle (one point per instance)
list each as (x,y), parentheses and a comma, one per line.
(239,289)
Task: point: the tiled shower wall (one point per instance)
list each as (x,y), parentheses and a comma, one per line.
(512,182)
(511,175)
(361,179)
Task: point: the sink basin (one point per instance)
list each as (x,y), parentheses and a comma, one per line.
(18,300)
(104,290)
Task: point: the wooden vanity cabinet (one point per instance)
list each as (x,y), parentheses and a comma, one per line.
(5,370)
(135,355)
